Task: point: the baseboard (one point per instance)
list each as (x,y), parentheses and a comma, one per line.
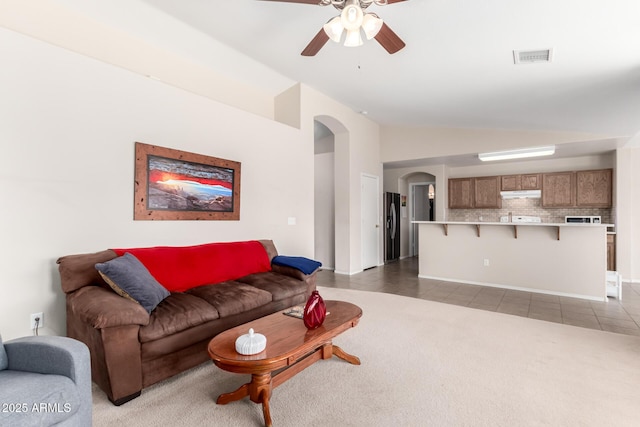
(346,273)
(517,288)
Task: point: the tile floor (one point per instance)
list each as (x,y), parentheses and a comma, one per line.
(401,278)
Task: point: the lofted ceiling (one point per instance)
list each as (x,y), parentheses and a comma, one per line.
(457,69)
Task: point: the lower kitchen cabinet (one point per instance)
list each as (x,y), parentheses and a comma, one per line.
(611,252)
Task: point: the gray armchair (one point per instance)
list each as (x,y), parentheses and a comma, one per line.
(45,381)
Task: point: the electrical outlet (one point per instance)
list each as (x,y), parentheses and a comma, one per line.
(40,322)
(486,262)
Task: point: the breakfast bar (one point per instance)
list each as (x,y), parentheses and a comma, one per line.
(553,258)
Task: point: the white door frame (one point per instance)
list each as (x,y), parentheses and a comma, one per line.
(370,257)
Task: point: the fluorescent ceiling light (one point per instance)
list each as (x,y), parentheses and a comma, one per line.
(518,154)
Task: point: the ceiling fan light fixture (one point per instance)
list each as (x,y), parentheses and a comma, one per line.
(371,25)
(334,29)
(352,16)
(353,39)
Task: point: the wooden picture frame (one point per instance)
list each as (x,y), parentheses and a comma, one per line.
(178,185)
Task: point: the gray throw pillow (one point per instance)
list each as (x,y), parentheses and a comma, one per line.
(4,360)
(129,278)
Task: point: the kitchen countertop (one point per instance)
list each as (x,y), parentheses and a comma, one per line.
(535,224)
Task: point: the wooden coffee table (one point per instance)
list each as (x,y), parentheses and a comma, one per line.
(291,348)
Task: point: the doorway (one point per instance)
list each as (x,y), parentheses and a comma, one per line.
(324,196)
(370,203)
(421,208)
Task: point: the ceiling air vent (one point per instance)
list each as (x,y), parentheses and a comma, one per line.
(532,56)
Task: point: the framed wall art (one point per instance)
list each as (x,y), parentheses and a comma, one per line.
(177,185)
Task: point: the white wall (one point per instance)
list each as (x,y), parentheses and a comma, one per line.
(357,151)
(324,210)
(627,212)
(69,124)
(574,265)
(603,161)
(408,143)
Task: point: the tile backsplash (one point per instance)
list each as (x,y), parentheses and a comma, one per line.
(529,207)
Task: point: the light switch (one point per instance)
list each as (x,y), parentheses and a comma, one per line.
(291,220)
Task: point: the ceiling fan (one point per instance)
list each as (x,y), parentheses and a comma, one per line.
(352,21)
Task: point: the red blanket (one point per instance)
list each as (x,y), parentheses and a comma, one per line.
(179,268)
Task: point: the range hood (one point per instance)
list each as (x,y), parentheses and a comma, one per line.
(521,194)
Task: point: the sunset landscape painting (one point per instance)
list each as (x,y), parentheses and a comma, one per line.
(180,185)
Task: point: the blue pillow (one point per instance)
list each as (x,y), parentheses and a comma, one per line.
(129,278)
(306,265)
(4,360)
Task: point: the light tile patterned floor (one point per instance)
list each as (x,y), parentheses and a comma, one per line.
(401,278)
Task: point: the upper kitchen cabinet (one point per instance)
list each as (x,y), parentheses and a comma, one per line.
(461,193)
(530,181)
(593,188)
(558,189)
(487,192)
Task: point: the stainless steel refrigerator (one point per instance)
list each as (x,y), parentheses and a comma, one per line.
(392,227)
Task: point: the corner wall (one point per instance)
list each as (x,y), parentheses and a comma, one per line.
(628,209)
(68,133)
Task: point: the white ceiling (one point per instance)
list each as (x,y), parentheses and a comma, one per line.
(457,69)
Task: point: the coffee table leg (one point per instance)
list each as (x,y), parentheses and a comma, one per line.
(265,408)
(260,392)
(241,392)
(338,352)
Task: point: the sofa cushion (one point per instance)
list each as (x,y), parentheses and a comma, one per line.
(179,268)
(4,362)
(177,313)
(47,399)
(278,285)
(232,297)
(129,278)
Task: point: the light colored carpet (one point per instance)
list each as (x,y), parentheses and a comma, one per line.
(423,364)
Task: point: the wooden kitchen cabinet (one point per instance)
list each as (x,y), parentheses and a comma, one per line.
(487,192)
(510,182)
(611,252)
(461,193)
(593,188)
(558,189)
(529,181)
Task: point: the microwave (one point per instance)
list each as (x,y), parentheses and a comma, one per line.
(594,219)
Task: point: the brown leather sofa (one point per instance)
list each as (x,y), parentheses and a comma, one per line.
(132,349)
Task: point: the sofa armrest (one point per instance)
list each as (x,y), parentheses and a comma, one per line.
(291,272)
(49,355)
(308,279)
(102,308)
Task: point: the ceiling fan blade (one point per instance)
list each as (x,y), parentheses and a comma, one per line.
(316,44)
(394,1)
(389,40)
(316,2)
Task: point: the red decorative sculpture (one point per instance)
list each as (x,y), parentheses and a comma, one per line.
(314,311)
